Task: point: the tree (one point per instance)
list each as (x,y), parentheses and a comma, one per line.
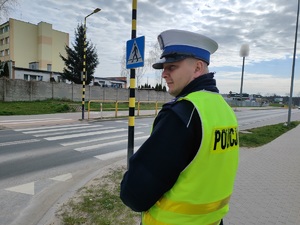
(139,73)
(74,59)
(154,56)
(1,68)
(5,7)
(124,72)
(4,71)
(158,87)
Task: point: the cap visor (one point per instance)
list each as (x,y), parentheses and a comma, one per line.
(160,64)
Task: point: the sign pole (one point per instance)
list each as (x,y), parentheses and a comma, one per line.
(131,117)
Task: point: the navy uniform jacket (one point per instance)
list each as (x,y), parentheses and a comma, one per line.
(172,145)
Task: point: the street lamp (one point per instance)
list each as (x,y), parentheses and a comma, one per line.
(84,61)
(244,51)
(293,69)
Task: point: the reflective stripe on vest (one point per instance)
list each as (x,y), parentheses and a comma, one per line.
(152,221)
(192,209)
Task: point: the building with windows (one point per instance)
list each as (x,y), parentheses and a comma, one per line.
(115,82)
(32,47)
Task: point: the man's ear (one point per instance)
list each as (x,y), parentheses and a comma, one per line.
(200,68)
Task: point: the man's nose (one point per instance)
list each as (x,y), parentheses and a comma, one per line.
(164,73)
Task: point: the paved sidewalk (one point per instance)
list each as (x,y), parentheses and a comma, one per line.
(267,189)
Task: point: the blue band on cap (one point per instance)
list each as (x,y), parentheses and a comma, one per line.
(198,53)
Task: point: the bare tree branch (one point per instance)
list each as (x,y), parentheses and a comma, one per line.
(6,6)
(124,71)
(154,56)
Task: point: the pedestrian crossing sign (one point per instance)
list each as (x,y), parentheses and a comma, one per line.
(135,49)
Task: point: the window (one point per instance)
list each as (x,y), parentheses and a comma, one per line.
(2,53)
(7,40)
(49,67)
(32,77)
(6,51)
(61,79)
(5,29)
(2,42)
(34,65)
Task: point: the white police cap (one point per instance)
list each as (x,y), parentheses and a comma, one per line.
(179,44)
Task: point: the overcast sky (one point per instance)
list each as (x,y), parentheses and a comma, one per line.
(267,26)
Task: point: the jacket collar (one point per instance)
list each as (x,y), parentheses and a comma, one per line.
(204,82)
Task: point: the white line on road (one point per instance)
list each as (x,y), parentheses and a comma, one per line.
(107,144)
(19,142)
(84,134)
(60,129)
(114,154)
(5,122)
(79,130)
(49,127)
(97,139)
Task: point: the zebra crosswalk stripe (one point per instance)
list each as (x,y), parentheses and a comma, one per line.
(106,144)
(61,137)
(114,154)
(97,139)
(61,129)
(19,142)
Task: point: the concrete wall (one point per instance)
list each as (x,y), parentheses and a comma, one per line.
(21,90)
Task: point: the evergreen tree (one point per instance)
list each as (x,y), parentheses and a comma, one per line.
(74,59)
(1,68)
(4,70)
(159,87)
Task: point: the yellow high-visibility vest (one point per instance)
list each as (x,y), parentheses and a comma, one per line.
(202,192)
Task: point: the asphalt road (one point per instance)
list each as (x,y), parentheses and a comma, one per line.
(46,156)
(39,164)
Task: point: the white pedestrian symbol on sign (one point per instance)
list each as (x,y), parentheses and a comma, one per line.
(135,55)
(135,49)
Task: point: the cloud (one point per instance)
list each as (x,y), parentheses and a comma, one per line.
(253,83)
(267,26)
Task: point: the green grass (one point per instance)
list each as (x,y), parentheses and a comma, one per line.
(276,105)
(263,135)
(99,203)
(34,107)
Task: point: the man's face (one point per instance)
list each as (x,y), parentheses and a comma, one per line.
(179,74)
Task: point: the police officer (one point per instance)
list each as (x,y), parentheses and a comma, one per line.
(184,172)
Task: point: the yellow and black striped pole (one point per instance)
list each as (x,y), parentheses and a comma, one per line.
(83,69)
(132,90)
